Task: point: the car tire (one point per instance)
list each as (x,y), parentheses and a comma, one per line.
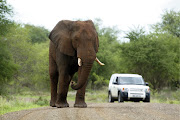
(120,99)
(110,99)
(147,99)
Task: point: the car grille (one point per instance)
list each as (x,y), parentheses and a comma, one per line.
(136,89)
(137,93)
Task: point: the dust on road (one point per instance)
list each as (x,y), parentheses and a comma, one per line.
(101,111)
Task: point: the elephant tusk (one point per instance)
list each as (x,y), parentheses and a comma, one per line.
(99,61)
(79,62)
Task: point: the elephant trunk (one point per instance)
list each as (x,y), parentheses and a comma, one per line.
(83,73)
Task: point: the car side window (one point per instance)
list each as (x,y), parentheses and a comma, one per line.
(115,80)
(120,80)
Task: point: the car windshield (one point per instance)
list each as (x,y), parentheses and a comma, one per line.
(131,80)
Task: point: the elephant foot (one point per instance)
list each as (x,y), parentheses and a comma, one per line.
(52,104)
(62,105)
(80,105)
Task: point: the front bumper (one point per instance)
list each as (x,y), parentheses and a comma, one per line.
(127,96)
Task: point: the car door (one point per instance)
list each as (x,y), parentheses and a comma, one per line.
(114,87)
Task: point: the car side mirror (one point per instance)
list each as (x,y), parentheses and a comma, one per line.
(147,83)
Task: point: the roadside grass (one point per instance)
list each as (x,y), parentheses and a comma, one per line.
(166,96)
(14,105)
(28,100)
(98,96)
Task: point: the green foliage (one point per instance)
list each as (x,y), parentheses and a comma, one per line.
(97,81)
(37,34)
(170,23)
(40,71)
(7,66)
(42,102)
(5,23)
(22,53)
(4,8)
(32,60)
(135,34)
(153,57)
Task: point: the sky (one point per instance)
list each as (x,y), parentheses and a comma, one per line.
(124,14)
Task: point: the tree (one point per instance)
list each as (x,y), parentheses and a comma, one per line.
(155,55)
(135,34)
(32,59)
(37,34)
(153,58)
(23,62)
(5,23)
(170,23)
(7,66)
(40,71)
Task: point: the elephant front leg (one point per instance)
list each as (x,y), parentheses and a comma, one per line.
(54,81)
(80,98)
(64,81)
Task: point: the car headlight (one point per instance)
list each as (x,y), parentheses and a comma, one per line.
(125,89)
(147,90)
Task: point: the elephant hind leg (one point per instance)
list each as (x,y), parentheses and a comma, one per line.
(53,73)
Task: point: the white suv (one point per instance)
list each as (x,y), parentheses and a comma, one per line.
(128,87)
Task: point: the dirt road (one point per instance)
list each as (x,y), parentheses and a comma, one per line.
(101,111)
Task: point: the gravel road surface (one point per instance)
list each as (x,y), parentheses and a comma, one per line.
(101,111)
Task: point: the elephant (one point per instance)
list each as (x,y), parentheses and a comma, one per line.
(73,47)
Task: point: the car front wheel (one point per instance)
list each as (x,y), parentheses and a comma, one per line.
(147,99)
(110,99)
(120,99)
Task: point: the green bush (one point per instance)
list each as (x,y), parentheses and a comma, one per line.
(40,101)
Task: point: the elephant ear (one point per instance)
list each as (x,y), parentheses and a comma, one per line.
(60,36)
(97,39)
